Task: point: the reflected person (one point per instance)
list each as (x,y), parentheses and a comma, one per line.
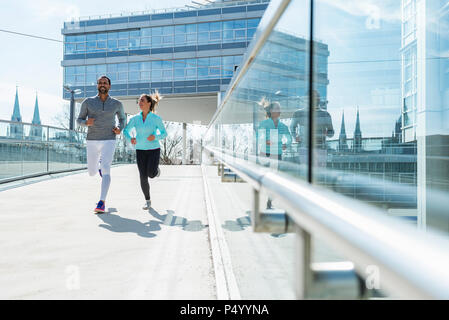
(323,129)
(271,133)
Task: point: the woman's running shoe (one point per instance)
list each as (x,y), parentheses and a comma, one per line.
(147,205)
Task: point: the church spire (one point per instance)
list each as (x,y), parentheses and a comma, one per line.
(357,134)
(342,144)
(36,116)
(16,112)
(15,130)
(357,124)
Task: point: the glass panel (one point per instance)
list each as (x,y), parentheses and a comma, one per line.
(202,27)
(203,37)
(112,44)
(180,29)
(156,42)
(239,24)
(254,126)
(227,25)
(91,37)
(112,35)
(134,34)
(145,75)
(135,66)
(359,104)
(123,43)
(180,39)
(101,68)
(10,157)
(191,28)
(145,32)
(215,36)
(215,26)
(191,38)
(123,34)
(102,36)
(253,23)
(167,30)
(156,31)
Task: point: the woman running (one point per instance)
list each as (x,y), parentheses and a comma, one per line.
(147,124)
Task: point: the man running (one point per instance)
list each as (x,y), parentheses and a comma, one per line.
(100,112)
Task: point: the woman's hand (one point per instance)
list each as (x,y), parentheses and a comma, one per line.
(151,138)
(133,141)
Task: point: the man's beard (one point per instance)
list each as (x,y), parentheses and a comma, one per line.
(103,90)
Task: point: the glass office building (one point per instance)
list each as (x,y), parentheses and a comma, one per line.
(180,52)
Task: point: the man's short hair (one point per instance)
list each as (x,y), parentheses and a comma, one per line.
(109,80)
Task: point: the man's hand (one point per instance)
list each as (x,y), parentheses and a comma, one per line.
(298,139)
(90,122)
(151,138)
(116,130)
(133,141)
(268,143)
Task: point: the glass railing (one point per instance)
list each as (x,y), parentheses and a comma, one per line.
(27,150)
(355,104)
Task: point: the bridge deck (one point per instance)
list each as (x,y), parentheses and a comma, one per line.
(52,245)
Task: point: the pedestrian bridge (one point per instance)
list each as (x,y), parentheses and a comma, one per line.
(54,246)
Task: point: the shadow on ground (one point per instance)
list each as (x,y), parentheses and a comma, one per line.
(242,223)
(116,223)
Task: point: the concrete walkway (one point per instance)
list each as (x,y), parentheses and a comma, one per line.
(52,245)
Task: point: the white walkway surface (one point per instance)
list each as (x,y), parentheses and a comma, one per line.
(52,245)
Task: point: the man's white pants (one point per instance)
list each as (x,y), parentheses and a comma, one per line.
(104,150)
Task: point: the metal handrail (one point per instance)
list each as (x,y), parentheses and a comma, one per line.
(412,264)
(38,125)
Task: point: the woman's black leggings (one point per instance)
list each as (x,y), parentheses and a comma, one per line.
(147,162)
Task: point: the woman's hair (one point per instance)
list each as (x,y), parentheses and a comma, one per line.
(268,106)
(153,99)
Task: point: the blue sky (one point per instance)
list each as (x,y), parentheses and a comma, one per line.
(35,65)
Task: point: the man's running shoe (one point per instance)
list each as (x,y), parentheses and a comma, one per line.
(100,207)
(147,205)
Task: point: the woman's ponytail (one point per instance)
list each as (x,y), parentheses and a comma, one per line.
(155,98)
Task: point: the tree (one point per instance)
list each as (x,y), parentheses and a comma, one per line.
(62,118)
(171,146)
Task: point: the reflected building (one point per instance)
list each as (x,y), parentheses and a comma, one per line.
(379,161)
(281,72)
